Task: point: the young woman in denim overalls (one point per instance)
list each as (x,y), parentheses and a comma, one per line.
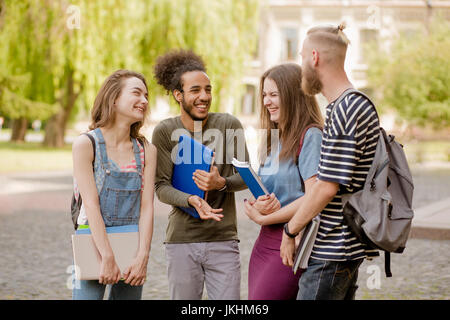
(119,191)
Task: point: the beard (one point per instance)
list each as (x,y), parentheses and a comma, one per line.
(311,84)
(187,107)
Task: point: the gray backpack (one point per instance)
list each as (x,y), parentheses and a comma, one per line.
(380,214)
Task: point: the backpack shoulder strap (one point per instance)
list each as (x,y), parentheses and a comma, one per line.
(93,145)
(347,92)
(142,143)
(313,125)
(340,98)
(75,206)
(303,137)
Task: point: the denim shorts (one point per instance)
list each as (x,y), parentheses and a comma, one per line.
(329,280)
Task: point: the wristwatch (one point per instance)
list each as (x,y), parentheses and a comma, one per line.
(286,230)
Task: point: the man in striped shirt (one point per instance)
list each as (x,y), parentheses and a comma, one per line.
(349,142)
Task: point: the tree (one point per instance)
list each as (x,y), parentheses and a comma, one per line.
(61,68)
(413,77)
(222,32)
(88,54)
(56,62)
(26,84)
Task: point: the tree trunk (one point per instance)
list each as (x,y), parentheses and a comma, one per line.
(56,126)
(19,130)
(55,129)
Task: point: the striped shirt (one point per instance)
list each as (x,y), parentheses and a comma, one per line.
(349,142)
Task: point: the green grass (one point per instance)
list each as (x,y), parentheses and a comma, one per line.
(33,157)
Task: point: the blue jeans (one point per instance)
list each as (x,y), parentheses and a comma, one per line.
(329,280)
(92,290)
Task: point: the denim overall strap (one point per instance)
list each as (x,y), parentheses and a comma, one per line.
(137,156)
(102,145)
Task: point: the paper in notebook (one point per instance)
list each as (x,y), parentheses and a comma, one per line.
(250,178)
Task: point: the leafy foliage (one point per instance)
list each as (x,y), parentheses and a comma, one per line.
(413,77)
(222,32)
(44,63)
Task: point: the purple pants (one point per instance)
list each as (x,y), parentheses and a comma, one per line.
(268,277)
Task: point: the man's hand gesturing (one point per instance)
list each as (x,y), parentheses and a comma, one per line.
(204,209)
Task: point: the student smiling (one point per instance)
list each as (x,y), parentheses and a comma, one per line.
(199,252)
(124,169)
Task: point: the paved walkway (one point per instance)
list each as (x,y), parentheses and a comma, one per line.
(432,221)
(35,255)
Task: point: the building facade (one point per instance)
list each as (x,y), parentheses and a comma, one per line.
(284,24)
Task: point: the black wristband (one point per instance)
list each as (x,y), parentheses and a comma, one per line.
(286,230)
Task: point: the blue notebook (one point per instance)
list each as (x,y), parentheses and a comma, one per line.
(250,178)
(191,156)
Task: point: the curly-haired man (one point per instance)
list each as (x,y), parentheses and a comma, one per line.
(198,251)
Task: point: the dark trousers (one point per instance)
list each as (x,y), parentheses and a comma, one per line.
(329,280)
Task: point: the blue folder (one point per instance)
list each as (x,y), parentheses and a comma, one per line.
(191,156)
(250,178)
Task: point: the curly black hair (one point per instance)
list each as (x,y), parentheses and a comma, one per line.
(171,66)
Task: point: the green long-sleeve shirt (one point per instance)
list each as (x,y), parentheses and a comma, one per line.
(182,227)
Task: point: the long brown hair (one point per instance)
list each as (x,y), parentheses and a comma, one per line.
(297,110)
(103,111)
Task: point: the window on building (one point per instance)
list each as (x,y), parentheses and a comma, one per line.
(410,33)
(289,49)
(255,51)
(366,37)
(248,100)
